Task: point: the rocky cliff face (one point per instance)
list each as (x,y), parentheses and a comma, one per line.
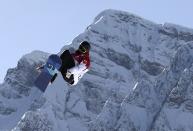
(140,80)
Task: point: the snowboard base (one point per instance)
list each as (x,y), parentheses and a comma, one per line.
(51,68)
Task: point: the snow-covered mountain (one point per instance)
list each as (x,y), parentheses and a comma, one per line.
(140,80)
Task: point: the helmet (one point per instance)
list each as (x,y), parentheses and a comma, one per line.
(84,47)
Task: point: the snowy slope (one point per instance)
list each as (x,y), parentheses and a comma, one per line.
(140,80)
(16,92)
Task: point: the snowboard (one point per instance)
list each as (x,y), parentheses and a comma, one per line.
(51,68)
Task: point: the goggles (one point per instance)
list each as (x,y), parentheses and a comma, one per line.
(82,49)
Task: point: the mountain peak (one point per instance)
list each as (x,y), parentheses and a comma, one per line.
(137,68)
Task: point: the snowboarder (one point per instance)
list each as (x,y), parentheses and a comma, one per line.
(74,65)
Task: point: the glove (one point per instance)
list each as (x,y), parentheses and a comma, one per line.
(68,74)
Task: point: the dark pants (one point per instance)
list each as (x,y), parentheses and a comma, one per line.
(67,63)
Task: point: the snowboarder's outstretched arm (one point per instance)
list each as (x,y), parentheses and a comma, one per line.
(78,69)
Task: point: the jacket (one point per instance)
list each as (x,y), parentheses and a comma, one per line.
(82,65)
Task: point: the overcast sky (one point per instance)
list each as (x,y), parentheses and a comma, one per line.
(27,25)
